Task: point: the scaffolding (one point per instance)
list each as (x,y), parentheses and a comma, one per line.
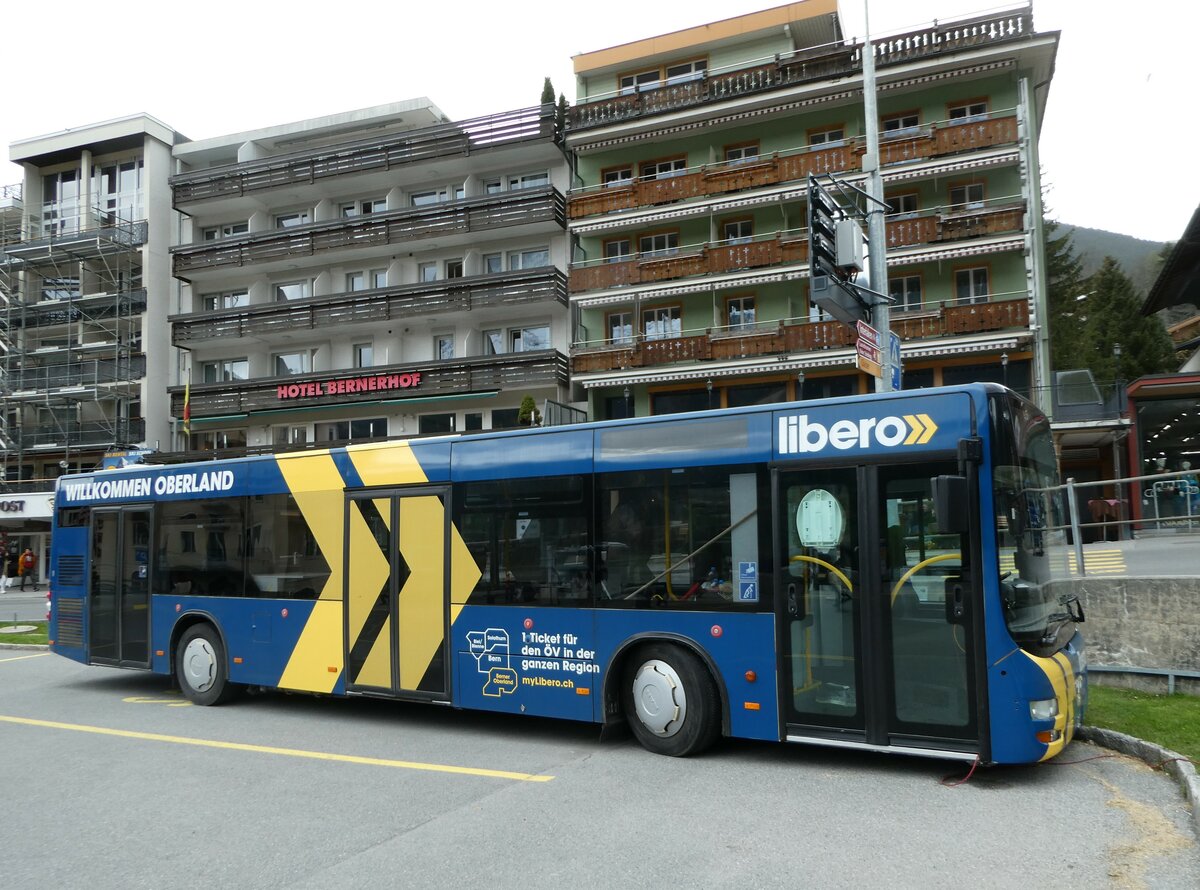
(71,361)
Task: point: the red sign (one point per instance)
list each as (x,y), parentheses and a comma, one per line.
(377,383)
(868,333)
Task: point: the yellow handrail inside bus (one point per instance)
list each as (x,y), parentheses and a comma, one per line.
(802,558)
(925,562)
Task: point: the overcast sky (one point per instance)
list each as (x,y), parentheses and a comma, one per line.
(1118,148)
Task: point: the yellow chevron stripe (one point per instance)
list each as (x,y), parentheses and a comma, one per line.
(386,463)
(917,429)
(316,484)
(930,428)
(421,622)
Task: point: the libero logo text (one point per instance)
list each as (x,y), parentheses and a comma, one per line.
(799,435)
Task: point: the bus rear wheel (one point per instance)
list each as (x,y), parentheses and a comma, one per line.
(670,701)
(200,667)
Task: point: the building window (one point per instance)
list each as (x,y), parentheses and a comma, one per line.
(641,80)
(364,355)
(620,327)
(975,110)
(229,230)
(216,440)
(493,186)
(660,244)
(298,362)
(493,342)
(826,138)
(289,220)
(528,180)
(529,259)
(432,424)
(454,268)
(60,288)
(356,281)
(227,300)
(427,272)
(424,199)
(493,263)
(505,418)
(903,205)
(663,169)
(971,285)
(363,207)
(661,323)
(741,154)
(618,250)
(905,291)
(739,312)
(378,277)
(293,290)
(529,339)
(352,430)
(617,176)
(682,72)
(472,421)
(900,124)
(968,196)
(738,231)
(225,370)
(289,435)
(443,347)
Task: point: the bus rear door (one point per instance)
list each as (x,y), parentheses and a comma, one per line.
(119,588)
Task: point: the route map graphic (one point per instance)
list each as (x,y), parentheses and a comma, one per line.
(492,656)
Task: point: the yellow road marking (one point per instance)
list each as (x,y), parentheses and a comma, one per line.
(22,657)
(286,752)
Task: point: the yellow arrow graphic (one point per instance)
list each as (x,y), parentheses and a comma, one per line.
(917,429)
(930,428)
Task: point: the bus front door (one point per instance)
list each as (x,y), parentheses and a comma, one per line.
(877,612)
(119,588)
(395,605)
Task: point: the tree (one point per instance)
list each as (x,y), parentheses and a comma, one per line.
(547,92)
(529,415)
(1064,285)
(560,114)
(1114,316)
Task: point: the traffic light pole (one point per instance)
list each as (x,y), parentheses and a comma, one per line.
(876,222)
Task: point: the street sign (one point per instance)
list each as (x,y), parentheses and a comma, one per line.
(894,359)
(868,333)
(872,353)
(867,366)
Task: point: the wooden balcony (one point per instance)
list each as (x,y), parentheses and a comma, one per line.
(706,259)
(937,140)
(786,248)
(456,139)
(801,67)
(788,339)
(376,229)
(510,371)
(375,306)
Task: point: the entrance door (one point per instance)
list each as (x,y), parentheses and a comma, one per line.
(119,591)
(877,609)
(395,607)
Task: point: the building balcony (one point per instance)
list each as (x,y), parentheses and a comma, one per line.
(350,387)
(375,306)
(83,434)
(72,236)
(749,79)
(788,247)
(460,139)
(452,218)
(942,139)
(80,374)
(92,307)
(788,338)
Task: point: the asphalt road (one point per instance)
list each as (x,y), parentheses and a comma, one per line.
(113,781)
(16,605)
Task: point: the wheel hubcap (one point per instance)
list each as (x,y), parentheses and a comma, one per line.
(199,664)
(658,698)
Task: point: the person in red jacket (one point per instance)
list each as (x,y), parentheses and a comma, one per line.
(28,568)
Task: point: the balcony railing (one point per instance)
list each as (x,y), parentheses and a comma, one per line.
(444,140)
(92,307)
(452,217)
(87,373)
(787,247)
(509,371)
(936,140)
(79,234)
(788,338)
(800,67)
(374,306)
(84,434)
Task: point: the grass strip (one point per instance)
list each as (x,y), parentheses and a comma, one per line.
(1172,721)
(40,635)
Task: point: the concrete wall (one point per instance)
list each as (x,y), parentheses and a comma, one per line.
(1142,623)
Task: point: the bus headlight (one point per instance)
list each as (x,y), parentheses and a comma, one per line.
(1045,709)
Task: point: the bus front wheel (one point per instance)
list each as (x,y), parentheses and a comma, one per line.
(200,666)
(670,701)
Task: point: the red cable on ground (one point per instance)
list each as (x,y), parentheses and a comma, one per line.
(964,779)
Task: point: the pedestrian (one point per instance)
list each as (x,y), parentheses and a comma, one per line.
(11,569)
(27,568)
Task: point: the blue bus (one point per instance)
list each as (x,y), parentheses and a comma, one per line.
(879,572)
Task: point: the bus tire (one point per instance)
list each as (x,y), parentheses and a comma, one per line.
(200,667)
(670,700)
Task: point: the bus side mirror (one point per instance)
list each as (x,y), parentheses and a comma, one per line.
(950,505)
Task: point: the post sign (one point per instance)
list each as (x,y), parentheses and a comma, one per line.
(893,347)
(869,357)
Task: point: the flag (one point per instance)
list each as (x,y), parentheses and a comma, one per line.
(187,407)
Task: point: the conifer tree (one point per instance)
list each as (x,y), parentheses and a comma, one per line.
(1114,316)
(1064,285)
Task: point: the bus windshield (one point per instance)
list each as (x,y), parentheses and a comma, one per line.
(1029,522)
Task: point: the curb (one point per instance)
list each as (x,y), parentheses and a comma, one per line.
(4,645)
(1155,756)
